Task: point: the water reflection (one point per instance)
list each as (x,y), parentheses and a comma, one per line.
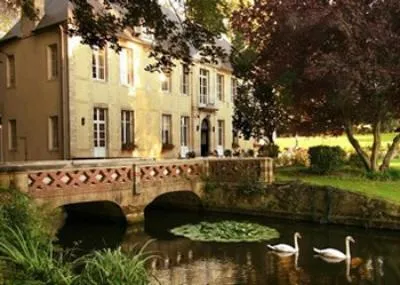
(183,262)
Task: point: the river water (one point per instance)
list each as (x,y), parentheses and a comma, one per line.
(375,255)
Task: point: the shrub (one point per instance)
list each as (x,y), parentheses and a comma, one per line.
(269,150)
(191,154)
(301,157)
(354,160)
(227,153)
(109,267)
(250,153)
(325,159)
(32,260)
(388,175)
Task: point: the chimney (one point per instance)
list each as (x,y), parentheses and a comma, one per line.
(29,20)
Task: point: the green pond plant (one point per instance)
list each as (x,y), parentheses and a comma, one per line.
(226,231)
(28,254)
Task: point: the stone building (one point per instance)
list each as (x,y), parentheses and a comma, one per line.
(60,99)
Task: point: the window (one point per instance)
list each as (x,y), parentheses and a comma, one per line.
(234,89)
(220,87)
(12,135)
(166,82)
(221,132)
(184,131)
(166,129)
(185,80)
(99,64)
(127,129)
(53,133)
(204,85)
(126,66)
(10,71)
(52,62)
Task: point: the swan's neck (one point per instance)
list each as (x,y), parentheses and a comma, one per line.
(348,256)
(296,245)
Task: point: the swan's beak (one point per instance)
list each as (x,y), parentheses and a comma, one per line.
(352,240)
(300,236)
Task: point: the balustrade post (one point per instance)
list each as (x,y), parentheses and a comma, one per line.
(136,179)
(16,180)
(267,170)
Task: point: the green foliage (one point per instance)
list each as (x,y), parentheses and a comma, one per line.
(191,154)
(325,159)
(113,267)
(17,212)
(226,231)
(250,153)
(249,185)
(26,248)
(228,153)
(388,175)
(269,150)
(355,161)
(33,260)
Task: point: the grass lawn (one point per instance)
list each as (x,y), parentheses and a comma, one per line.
(342,141)
(347,179)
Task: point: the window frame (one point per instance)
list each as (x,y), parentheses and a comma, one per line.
(168,81)
(53,133)
(185,80)
(220,87)
(96,67)
(204,85)
(166,120)
(126,68)
(185,131)
(126,138)
(52,62)
(11,71)
(12,135)
(221,133)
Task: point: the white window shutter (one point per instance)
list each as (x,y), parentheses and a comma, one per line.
(123,66)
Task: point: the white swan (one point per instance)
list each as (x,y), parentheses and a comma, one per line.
(285,248)
(335,255)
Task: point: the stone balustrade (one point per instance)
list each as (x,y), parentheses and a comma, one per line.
(130,183)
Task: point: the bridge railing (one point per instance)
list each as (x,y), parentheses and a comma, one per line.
(62,178)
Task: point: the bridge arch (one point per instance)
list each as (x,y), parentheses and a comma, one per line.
(179,199)
(105,210)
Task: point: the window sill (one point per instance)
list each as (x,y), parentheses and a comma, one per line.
(99,80)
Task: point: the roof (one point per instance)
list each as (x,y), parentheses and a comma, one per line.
(55,13)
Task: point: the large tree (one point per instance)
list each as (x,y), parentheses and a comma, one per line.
(176,34)
(342,58)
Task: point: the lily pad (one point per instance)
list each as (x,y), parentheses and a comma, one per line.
(226,231)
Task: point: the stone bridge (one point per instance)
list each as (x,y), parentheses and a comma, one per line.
(132,184)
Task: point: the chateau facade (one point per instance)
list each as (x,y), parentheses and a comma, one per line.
(60,99)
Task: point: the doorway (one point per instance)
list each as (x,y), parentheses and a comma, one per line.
(205,137)
(100,132)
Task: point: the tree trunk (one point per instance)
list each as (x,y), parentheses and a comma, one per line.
(376,146)
(356,145)
(390,153)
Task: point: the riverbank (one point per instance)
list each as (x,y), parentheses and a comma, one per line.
(296,200)
(349,179)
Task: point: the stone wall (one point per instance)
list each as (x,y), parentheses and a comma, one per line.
(303,202)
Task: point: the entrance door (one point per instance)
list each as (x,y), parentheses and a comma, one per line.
(205,138)
(100,132)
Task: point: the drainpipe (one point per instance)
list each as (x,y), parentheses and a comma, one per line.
(64,95)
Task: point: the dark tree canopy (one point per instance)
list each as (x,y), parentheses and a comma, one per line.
(339,59)
(176,33)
